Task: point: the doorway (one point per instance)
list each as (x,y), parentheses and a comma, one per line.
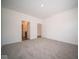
(25,30)
(39,30)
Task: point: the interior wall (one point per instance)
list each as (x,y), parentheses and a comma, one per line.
(39,29)
(25,26)
(62,26)
(11,26)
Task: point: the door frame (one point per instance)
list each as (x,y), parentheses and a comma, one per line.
(28,31)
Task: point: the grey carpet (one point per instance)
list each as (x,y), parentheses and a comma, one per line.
(41,49)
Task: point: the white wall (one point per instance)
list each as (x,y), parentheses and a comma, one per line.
(11,26)
(62,26)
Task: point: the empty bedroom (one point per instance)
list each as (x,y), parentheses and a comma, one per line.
(39,29)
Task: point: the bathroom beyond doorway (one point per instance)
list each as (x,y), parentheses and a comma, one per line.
(25,30)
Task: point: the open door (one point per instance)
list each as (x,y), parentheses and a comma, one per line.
(25,30)
(39,30)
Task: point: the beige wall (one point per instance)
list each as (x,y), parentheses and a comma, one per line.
(25,25)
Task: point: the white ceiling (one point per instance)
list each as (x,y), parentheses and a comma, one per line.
(33,7)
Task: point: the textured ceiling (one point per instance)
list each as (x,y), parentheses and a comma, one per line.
(33,7)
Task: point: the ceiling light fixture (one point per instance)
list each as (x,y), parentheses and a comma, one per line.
(42,5)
